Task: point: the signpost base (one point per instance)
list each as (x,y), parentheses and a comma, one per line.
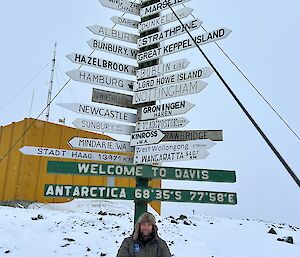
(140,206)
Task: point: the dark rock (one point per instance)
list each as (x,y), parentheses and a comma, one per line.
(86,232)
(171,217)
(289,240)
(39,217)
(280,239)
(272,231)
(174,221)
(103,213)
(117,226)
(211,223)
(102,254)
(8,251)
(69,239)
(187,222)
(65,245)
(159,221)
(182,217)
(88,249)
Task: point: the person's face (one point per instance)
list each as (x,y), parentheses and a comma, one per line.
(146,228)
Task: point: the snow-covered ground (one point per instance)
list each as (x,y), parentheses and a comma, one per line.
(97,228)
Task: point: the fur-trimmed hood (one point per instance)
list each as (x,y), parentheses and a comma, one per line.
(145,217)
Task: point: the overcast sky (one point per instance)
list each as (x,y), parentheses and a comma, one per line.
(264,43)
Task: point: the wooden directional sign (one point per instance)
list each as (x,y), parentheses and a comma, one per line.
(113,33)
(160,6)
(70,154)
(142,194)
(168,33)
(171,152)
(125,22)
(169,91)
(111,98)
(100,145)
(102,63)
(113,48)
(141,171)
(163,110)
(160,69)
(101,80)
(164,19)
(183,45)
(170,123)
(146,137)
(122,5)
(101,126)
(100,112)
(172,79)
(187,135)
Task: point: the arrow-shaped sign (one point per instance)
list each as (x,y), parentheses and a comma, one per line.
(188,135)
(183,45)
(164,110)
(122,5)
(113,33)
(100,112)
(125,22)
(172,79)
(168,91)
(164,19)
(101,126)
(102,63)
(113,48)
(100,145)
(78,155)
(160,6)
(169,33)
(100,80)
(160,69)
(170,123)
(146,137)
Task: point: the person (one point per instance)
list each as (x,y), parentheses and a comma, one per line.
(144,240)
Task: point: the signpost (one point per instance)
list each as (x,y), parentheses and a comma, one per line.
(169,91)
(100,145)
(187,135)
(116,99)
(164,19)
(113,33)
(101,80)
(125,22)
(78,155)
(101,126)
(100,112)
(172,79)
(113,48)
(146,137)
(183,45)
(171,123)
(160,69)
(122,5)
(102,63)
(169,33)
(164,110)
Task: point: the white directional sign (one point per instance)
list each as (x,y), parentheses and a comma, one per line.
(164,110)
(160,6)
(122,5)
(100,112)
(100,80)
(164,19)
(125,22)
(169,33)
(101,126)
(113,33)
(172,79)
(146,137)
(113,48)
(170,123)
(100,145)
(78,155)
(170,152)
(160,69)
(102,63)
(183,45)
(168,91)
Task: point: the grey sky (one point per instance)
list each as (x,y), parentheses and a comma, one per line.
(264,43)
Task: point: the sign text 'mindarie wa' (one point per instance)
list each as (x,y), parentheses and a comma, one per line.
(163,124)
(101,80)
(160,6)
(164,19)
(102,63)
(169,33)
(70,154)
(163,68)
(172,79)
(113,48)
(183,45)
(114,34)
(169,91)
(125,22)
